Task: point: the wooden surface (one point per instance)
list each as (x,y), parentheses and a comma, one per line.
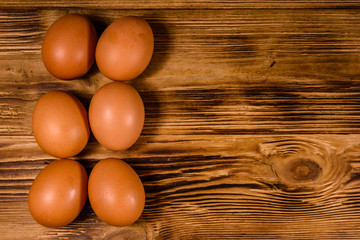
(252,119)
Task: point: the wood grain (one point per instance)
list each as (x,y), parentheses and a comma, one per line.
(252,119)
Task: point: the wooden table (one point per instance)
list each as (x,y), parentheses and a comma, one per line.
(252,119)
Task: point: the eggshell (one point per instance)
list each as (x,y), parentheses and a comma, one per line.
(60,124)
(116,193)
(125,48)
(116,115)
(58,193)
(68,49)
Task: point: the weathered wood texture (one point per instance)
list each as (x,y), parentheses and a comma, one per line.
(252,119)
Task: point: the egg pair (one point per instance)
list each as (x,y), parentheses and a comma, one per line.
(61,127)
(59,192)
(122,52)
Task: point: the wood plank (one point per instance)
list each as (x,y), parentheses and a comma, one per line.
(225,33)
(265,186)
(235,105)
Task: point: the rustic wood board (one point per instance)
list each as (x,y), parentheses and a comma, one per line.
(252,123)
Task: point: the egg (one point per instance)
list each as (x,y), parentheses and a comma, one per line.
(58,193)
(116,193)
(116,115)
(60,124)
(125,48)
(68,49)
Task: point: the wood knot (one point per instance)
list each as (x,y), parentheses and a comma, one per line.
(303,170)
(298,171)
(306,164)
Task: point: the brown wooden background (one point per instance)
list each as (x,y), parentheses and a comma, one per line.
(252,119)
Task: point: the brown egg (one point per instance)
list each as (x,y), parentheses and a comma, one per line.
(58,193)
(68,49)
(116,115)
(60,124)
(125,48)
(116,193)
